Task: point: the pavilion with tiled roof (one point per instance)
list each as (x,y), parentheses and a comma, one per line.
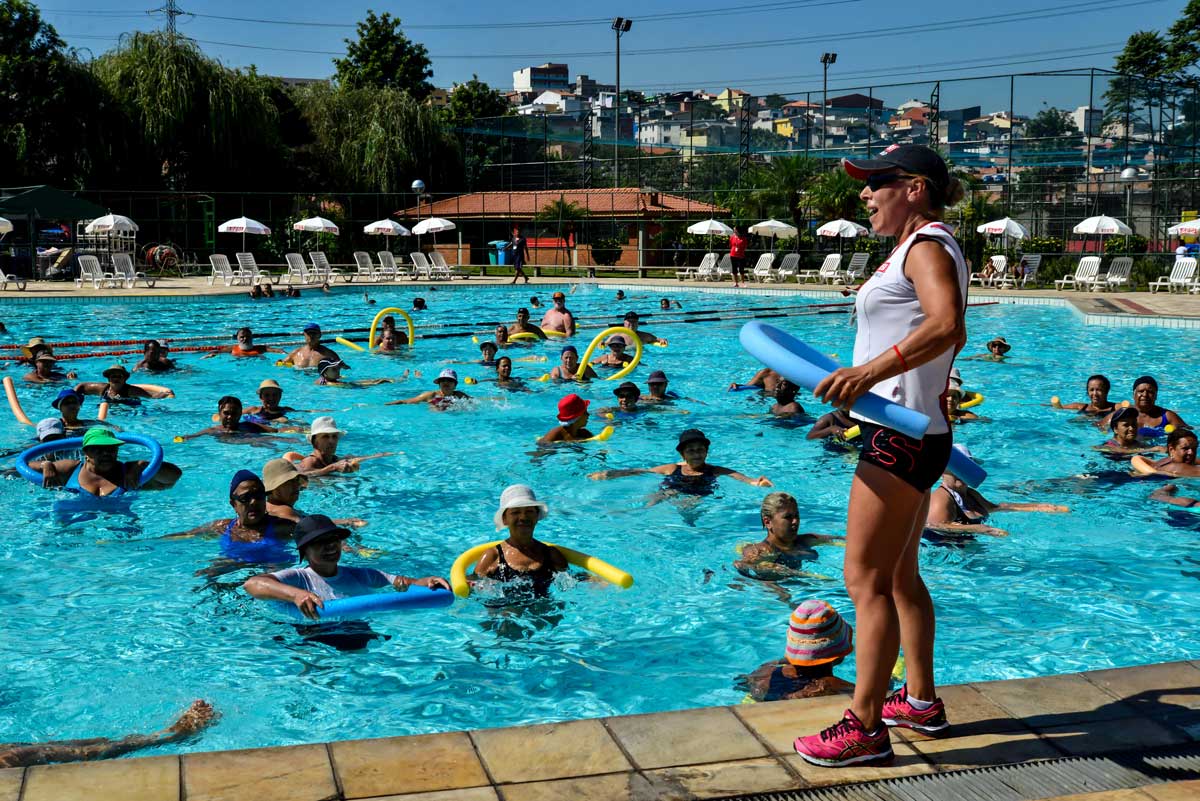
(623,203)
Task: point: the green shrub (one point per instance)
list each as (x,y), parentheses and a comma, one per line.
(1042,244)
(1126,245)
(606,252)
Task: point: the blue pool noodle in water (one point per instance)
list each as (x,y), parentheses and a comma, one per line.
(416,597)
(807,367)
(44,448)
(965,468)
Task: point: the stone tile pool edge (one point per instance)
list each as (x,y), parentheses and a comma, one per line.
(689,754)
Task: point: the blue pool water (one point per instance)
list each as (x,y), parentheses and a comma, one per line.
(109,629)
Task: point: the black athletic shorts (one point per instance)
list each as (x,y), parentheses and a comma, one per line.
(919,462)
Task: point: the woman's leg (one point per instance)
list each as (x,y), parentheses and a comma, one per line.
(915,609)
(879,525)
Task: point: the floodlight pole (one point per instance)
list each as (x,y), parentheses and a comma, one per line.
(620,25)
(826,60)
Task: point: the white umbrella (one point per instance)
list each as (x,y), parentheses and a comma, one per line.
(1189,228)
(111,224)
(317,225)
(1005,226)
(5,226)
(432,225)
(1103,225)
(842,228)
(386,228)
(243,226)
(773,228)
(710,228)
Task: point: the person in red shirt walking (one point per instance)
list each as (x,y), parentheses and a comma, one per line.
(737,254)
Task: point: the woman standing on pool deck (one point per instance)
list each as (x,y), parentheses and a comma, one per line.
(910,327)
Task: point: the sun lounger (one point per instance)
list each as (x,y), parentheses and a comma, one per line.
(365,269)
(830,267)
(1032,263)
(421,265)
(90,273)
(250,268)
(298,272)
(787,267)
(707,266)
(1085,272)
(222,271)
(763,268)
(392,270)
(857,267)
(126,273)
(724,268)
(1117,276)
(1182,277)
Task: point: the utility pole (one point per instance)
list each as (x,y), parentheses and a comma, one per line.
(620,25)
(171,9)
(826,60)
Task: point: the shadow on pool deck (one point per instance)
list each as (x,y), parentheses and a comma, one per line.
(714,752)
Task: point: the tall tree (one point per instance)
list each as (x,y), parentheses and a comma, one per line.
(384,58)
(475,100)
(835,194)
(1184,50)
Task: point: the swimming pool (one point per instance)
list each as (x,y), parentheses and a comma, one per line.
(109,629)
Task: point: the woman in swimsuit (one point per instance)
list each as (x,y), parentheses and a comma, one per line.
(692,476)
(957,508)
(154,357)
(100,473)
(440,399)
(569,367)
(521,557)
(245,346)
(253,535)
(783,551)
(284,483)
(230,425)
(69,403)
(572,419)
(1125,439)
(818,640)
(324,435)
(1098,402)
(270,393)
(1152,418)
(117,388)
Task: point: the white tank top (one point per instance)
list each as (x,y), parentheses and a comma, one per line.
(888,311)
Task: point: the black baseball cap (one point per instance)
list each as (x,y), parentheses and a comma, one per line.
(313,527)
(913,159)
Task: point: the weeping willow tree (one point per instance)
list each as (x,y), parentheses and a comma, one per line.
(201,124)
(379,140)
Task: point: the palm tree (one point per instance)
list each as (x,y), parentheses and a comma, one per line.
(835,194)
(782,185)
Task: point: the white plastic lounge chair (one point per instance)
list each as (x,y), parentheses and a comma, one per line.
(442,268)
(1182,277)
(298,272)
(831,265)
(10,278)
(857,267)
(421,265)
(831,272)
(392,270)
(250,268)
(222,271)
(996,266)
(364,267)
(1118,274)
(90,273)
(763,268)
(1032,263)
(1085,272)
(127,274)
(724,268)
(787,267)
(707,265)
(322,272)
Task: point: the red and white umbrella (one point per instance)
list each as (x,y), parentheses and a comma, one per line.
(111,224)
(386,228)
(432,225)
(843,228)
(1005,226)
(316,225)
(1189,228)
(1103,225)
(243,226)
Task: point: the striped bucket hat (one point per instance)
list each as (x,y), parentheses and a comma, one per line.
(817,635)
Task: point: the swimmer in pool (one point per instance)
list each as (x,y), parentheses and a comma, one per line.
(387,324)
(765,379)
(1181,455)
(312,352)
(691,476)
(784,550)
(628,396)
(389,341)
(573,420)
(1125,439)
(68,403)
(501,336)
(997,349)
(1097,393)
(284,483)
(487,354)
(534,302)
(319,542)
(818,640)
(631,322)
(616,355)
(324,436)
(620,295)
(117,388)
(419,305)
(832,425)
(523,326)
(101,473)
(244,346)
(1168,493)
(253,535)
(24,755)
(329,374)
(504,376)
(230,423)
(558,317)
(440,399)
(270,394)
(656,385)
(785,400)
(521,557)
(154,357)
(45,370)
(666,303)
(569,367)
(1152,418)
(954,397)
(954,507)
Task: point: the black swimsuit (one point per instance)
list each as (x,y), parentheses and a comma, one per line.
(703,484)
(540,579)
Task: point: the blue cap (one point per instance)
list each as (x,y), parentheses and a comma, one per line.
(64,394)
(569,349)
(311,327)
(239,477)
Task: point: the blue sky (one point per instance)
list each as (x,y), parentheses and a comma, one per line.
(772,47)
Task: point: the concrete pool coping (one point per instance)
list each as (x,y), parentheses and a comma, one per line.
(699,753)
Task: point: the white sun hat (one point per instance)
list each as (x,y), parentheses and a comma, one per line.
(516,497)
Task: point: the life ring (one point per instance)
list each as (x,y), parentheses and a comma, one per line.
(598,567)
(976,399)
(807,366)
(624,371)
(550,332)
(43,448)
(14,403)
(411,331)
(348,343)
(415,597)
(523,336)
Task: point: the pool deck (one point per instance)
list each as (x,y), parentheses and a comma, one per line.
(704,753)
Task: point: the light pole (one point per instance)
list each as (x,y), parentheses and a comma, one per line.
(1128,176)
(418,186)
(620,25)
(826,60)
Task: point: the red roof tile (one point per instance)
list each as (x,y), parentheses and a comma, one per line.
(624,202)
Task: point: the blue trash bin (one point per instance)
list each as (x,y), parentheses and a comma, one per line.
(501,246)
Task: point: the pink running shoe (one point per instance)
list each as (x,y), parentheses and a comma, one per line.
(846,743)
(897,711)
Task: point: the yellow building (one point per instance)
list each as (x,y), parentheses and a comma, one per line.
(729,99)
(438,98)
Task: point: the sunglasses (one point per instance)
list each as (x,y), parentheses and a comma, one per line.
(877,182)
(247,497)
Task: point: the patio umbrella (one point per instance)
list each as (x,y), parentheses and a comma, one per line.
(111,224)
(386,228)
(711,228)
(316,225)
(1103,225)
(243,226)
(1189,228)
(431,225)
(773,228)
(842,228)
(1005,226)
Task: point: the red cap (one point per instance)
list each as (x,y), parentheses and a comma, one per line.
(571,407)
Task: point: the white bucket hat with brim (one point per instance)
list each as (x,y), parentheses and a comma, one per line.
(323,425)
(515,497)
